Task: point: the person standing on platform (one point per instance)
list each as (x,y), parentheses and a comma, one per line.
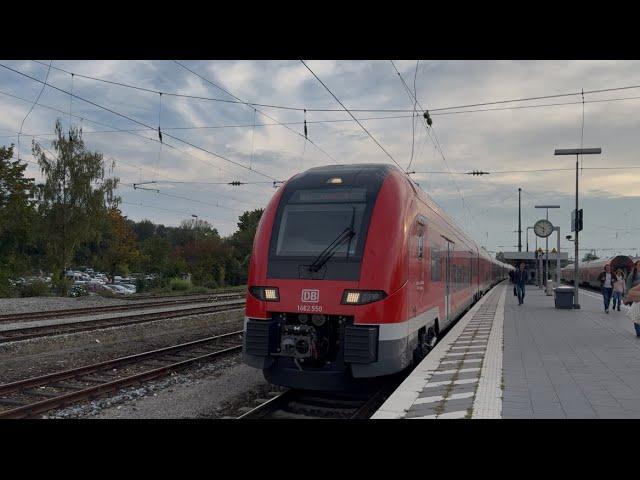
(633,280)
(633,297)
(619,286)
(519,279)
(606,284)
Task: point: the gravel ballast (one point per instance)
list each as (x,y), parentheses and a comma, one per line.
(47,304)
(202,392)
(43,355)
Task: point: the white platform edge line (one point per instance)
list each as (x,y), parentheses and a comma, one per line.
(400,401)
(488,400)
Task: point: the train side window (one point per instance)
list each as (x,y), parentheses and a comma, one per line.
(436,265)
(420,243)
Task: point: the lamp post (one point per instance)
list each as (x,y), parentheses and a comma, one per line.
(196,217)
(574,227)
(546,256)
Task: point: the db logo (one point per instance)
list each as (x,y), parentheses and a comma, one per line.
(310,296)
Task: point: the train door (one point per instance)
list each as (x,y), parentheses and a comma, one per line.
(448,288)
(417,267)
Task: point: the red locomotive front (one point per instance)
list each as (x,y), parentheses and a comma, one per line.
(353,273)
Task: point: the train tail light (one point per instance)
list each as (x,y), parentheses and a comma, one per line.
(361,297)
(266,294)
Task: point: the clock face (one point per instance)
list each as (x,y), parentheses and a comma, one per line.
(543,228)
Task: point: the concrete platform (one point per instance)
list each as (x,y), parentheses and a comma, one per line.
(502,360)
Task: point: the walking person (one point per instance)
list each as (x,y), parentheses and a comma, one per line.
(633,298)
(519,279)
(633,280)
(619,287)
(606,284)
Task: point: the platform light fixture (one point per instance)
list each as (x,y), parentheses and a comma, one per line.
(577,152)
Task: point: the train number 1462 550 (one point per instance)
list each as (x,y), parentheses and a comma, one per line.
(309,308)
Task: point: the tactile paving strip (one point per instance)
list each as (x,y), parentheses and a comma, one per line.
(451,389)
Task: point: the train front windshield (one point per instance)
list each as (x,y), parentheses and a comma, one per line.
(308,229)
(310,221)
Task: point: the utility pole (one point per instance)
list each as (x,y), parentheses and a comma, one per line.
(196,229)
(519,221)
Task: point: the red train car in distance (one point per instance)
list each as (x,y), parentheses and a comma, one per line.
(354,273)
(589,271)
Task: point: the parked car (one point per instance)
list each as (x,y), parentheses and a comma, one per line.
(119,289)
(128,286)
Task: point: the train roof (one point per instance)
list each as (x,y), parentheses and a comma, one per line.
(371,175)
(601,262)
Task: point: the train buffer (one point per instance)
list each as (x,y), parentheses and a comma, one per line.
(502,360)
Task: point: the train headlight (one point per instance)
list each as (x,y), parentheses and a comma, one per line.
(361,297)
(266,294)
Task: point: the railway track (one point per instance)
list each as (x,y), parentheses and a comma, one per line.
(35,331)
(70,312)
(302,404)
(136,297)
(33,396)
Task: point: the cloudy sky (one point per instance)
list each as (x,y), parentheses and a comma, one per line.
(504,138)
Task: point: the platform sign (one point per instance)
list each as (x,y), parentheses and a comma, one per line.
(576,223)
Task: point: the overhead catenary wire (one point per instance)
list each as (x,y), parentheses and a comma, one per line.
(131,119)
(498,172)
(413,119)
(254,107)
(396,110)
(352,116)
(116,129)
(44,84)
(434,139)
(180,197)
(155,207)
(250,125)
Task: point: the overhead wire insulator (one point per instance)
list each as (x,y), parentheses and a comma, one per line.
(305,123)
(236,183)
(427,117)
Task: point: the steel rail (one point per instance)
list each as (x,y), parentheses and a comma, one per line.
(280,402)
(29,332)
(70,312)
(110,386)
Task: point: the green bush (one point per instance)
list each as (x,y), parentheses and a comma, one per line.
(78,291)
(177,284)
(34,289)
(141,285)
(199,290)
(61,285)
(6,288)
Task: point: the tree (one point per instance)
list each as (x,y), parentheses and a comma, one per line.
(118,246)
(589,256)
(144,229)
(74,197)
(17,215)
(247,226)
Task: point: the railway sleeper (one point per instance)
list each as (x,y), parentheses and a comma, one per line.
(68,386)
(40,393)
(95,379)
(321,412)
(9,402)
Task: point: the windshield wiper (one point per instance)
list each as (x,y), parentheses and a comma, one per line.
(347,234)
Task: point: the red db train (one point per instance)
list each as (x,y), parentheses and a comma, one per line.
(354,273)
(589,271)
